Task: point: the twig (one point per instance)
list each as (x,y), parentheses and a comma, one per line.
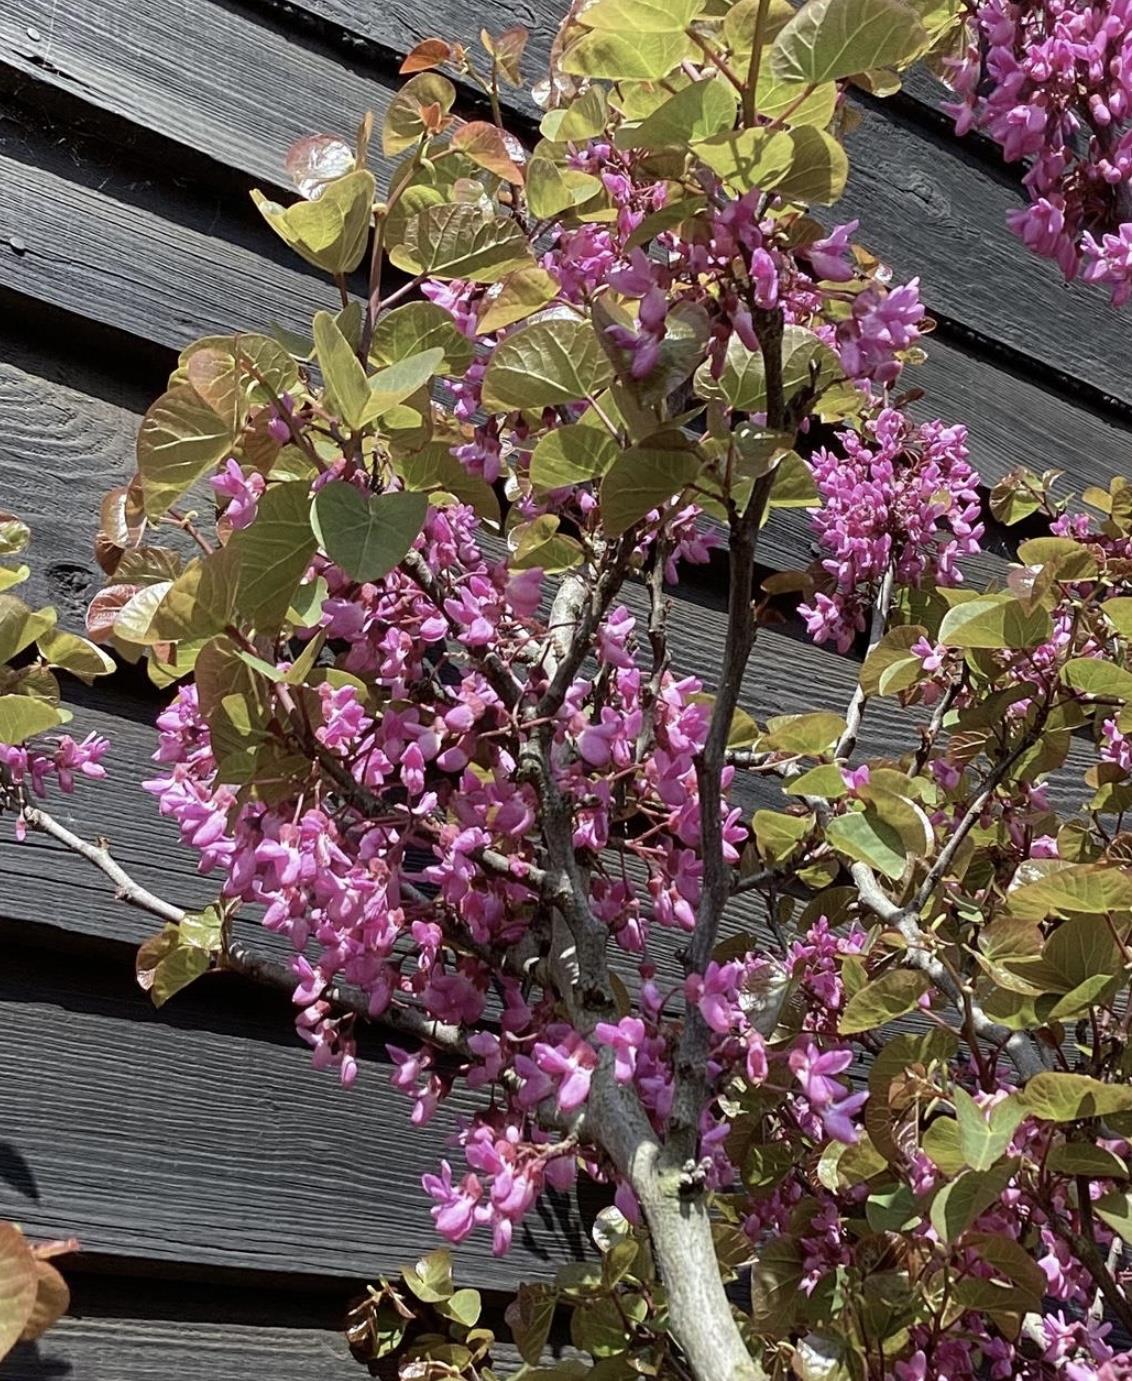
(758,41)
(856,711)
(129,891)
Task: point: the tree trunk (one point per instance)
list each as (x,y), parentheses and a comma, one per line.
(700,1317)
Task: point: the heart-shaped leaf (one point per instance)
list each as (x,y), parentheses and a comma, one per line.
(366,536)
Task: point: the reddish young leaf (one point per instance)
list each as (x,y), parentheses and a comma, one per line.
(430,52)
(490,148)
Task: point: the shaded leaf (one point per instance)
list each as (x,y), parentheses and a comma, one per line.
(883,1000)
(546,364)
(366,535)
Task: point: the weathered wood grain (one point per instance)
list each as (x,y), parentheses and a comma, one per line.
(927,208)
(115,1348)
(232,85)
(241,87)
(201,1134)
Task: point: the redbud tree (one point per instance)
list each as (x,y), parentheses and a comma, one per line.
(428,726)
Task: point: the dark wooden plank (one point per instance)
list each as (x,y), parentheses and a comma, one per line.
(237,87)
(927,207)
(240,87)
(97,1347)
(201,1134)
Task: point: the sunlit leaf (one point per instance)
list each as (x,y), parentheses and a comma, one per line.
(516,297)
(490,148)
(545,364)
(71,653)
(181,438)
(960,1201)
(994,621)
(459,241)
(645,55)
(330,233)
(646,477)
(407,120)
(347,390)
(699,111)
(572,454)
(417,327)
(883,1000)
(273,553)
(1057,1097)
(18,1284)
(831,39)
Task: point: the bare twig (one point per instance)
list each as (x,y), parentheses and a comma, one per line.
(856,710)
(128,891)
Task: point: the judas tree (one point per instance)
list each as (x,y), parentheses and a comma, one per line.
(845,1035)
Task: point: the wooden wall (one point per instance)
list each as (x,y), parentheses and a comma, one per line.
(230,1200)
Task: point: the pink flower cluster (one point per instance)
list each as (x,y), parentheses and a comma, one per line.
(34,766)
(900,496)
(1051,82)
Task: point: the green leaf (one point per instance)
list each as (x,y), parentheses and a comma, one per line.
(1011,1259)
(697,112)
(529,1317)
(21,716)
(940,1143)
(892,1210)
(552,190)
(828,40)
(330,233)
(775,98)
(1115,1209)
(201,601)
(598,1327)
(1056,1097)
(19,1284)
(430,1279)
(434,469)
(1119,614)
(178,954)
(776,1286)
(134,622)
(14,535)
(74,654)
(463,1307)
(884,999)
(807,363)
(574,454)
(399,382)
(804,735)
(1079,1158)
(637,17)
(891,667)
(983,1141)
(646,477)
(546,364)
(366,535)
(539,545)
(273,553)
(778,834)
(458,241)
(957,1205)
(516,297)
(865,837)
(825,780)
(346,385)
(645,55)
(11,576)
(21,626)
(1096,677)
(420,326)
(1089,888)
(802,164)
(404,124)
(181,438)
(994,621)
